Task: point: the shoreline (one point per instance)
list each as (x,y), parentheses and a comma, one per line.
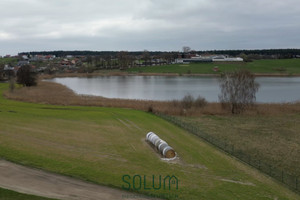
(89,75)
(57,94)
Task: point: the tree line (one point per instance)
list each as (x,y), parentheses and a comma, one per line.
(259,53)
(96,53)
(279,53)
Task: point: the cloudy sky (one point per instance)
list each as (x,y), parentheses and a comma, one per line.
(166,25)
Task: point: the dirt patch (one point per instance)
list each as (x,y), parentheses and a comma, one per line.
(37,182)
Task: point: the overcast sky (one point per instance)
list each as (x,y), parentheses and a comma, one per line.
(135,25)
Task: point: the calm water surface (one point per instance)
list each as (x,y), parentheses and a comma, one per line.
(279,89)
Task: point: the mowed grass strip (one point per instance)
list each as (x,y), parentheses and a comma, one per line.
(276,66)
(102,145)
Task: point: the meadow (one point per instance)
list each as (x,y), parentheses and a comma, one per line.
(273,139)
(261,67)
(101,145)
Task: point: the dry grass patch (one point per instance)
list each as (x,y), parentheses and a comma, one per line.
(57,94)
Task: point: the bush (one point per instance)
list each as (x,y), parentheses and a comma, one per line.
(150,109)
(187,101)
(200,102)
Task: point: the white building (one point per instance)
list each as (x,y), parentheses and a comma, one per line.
(226,59)
(199,58)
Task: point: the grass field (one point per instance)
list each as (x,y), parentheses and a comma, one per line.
(102,145)
(273,139)
(278,66)
(11,195)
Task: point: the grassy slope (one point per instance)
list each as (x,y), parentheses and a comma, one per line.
(11,195)
(284,66)
(273,139)
(103,144)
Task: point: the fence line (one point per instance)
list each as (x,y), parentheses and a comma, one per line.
(292,181)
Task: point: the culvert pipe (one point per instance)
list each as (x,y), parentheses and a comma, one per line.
(161,145)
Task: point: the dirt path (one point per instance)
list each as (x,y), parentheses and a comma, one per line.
(37,182)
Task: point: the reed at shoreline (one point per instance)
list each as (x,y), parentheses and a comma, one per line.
(57,94)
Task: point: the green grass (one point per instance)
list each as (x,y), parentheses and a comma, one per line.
(272,139)
(103,144)
(276,66)
(11,195)
(8,61)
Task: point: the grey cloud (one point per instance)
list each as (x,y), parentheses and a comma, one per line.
(147,24)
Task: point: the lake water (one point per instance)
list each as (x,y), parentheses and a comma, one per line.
(272,89)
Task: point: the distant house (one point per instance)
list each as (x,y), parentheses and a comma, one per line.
(69,64)
(8,71)
(193,59)
(208,58)
(39,57)
(65,63)
(23,62)
(25,57)
(49,57)
(8,67)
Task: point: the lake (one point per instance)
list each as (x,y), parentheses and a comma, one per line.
(272,89)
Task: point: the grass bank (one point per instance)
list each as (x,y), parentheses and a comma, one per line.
(102,145)
(279,67)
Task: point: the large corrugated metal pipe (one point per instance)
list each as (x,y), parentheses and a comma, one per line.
(161,145)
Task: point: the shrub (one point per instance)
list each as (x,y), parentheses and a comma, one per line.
(200,102)
(187,101)
(150,109)
(176,103)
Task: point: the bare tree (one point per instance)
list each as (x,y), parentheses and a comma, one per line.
(238,90)
(123,59)
(186,49)
(1,71)
(108,62)
(12,84)
(147,58)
